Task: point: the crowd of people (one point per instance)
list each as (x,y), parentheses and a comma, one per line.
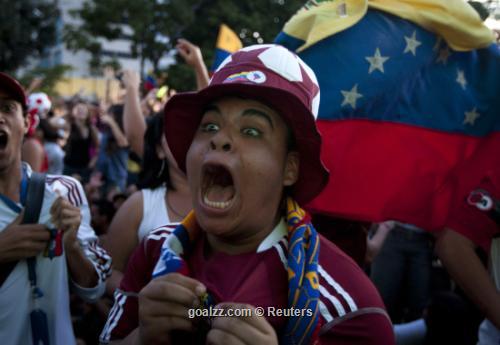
(197,199)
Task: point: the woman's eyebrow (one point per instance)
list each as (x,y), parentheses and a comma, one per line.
(211,107)
(258,113)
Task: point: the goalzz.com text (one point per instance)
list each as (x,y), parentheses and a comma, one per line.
(246,312)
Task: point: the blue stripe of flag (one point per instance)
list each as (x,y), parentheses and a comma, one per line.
(423,90)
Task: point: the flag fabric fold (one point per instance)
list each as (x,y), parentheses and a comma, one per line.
(453,20)
(400,108)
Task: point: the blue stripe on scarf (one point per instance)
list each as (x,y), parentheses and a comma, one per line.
(181,232)
(303,292)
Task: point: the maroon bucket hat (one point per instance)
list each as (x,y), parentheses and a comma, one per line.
(270,74)
(13,88)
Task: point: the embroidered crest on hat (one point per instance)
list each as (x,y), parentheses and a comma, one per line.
(257,77)
(272,58)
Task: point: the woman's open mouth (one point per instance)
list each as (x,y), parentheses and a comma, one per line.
(217,189)
(4,139)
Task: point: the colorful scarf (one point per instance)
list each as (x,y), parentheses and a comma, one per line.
(303,283)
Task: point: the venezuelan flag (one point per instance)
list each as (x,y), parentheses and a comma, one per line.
(409,95)
(150,82)
(227,42)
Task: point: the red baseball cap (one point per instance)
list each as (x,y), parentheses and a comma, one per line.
(13,88)
(270,74)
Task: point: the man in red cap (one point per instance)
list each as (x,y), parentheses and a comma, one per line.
(37,259)
(246,266)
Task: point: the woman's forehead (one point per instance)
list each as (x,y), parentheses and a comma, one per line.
(239,105)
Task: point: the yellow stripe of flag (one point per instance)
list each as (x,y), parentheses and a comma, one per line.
(228,40)
(454,20)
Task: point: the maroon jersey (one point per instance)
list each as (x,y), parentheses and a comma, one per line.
(471,215)
(351,310)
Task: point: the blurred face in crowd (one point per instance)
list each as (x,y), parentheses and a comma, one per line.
(13,127)
(80,112)
(237,167)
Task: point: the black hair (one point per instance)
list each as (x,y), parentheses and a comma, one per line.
(119,196)
(105,208)
(49,132)
(154,171)
(116,111)
(450,320)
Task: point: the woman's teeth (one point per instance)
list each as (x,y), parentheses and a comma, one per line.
(216,204)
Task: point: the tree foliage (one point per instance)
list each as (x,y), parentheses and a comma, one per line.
(27,29)
(50,76)
(254,21)
(155,26)
(146,24)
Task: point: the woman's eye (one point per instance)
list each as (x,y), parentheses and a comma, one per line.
(209,127)
(252,132)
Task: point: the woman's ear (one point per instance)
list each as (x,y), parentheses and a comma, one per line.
(292,164)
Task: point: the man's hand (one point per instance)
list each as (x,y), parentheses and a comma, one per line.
(164,306)
(131,79)
(22,241)
(192,55)
(107,119)
(459,257)
(189,52)
(245,330)
(67,218)
(35,84)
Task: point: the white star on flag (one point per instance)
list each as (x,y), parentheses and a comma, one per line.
(471,116)
(412,43)
(376,61)
(461,79)
(444,54)
(350,97)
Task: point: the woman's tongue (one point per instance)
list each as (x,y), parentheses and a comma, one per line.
(217,193)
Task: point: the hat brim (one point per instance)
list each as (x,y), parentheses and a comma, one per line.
(13,88)
(183,114)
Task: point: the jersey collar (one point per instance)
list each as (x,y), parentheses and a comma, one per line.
(279,231)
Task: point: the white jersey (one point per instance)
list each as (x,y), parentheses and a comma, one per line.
(16,301)
(154,211)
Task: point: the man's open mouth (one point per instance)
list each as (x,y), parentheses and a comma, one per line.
(4,139)
(217,186)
